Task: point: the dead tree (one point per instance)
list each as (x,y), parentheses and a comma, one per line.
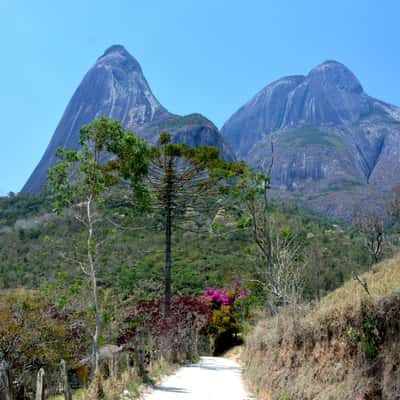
(276,252)
(371,227)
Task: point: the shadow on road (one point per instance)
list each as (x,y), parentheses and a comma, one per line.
(170,389)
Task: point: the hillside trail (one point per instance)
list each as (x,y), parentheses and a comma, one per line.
(210,378)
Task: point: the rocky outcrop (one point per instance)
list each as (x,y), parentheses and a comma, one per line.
(116,87)
(331,140)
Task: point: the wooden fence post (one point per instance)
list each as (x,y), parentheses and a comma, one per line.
(65,382)
(140,353)
(113,365)
(111,369)
(40,385)
(127,361)
(5,382)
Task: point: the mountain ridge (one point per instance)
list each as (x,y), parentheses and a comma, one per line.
(328,133)
(116,87)
(335,146)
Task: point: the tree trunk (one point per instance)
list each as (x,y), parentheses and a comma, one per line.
(168,237)
(96,335)
(167,294)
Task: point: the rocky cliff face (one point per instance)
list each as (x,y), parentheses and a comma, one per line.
(116,87)
(334,146)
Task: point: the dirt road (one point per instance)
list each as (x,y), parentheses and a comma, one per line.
(210,378)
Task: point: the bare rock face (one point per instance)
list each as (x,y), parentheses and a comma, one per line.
(332,142)
(115,87)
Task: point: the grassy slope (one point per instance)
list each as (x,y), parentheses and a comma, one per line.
(382,280)
(345,347)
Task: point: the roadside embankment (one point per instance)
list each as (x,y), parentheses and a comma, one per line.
(346,347)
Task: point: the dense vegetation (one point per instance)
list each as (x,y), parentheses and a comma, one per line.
(14,207)
(32,252)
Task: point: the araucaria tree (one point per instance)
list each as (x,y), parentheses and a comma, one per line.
(82,178)
(180,178)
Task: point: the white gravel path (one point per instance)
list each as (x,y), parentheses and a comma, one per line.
(210,378)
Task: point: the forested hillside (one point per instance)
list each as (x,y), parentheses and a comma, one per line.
(35,243)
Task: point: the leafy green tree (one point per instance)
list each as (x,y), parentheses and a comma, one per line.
(81,180)
(183,178)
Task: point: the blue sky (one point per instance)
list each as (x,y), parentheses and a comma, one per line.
(207,56)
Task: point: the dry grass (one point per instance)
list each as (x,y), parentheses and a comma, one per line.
(320,351)
(128,386)
(76,395)
(382,280)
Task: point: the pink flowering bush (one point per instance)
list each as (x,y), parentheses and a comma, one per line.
(226,297)
(224,326)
